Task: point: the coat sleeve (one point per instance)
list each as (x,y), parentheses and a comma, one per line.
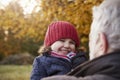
(60,78)
(38,70)
(93,77)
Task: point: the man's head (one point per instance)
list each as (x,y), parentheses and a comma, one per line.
(105,29)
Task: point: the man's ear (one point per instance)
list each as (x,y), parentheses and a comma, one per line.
(103,43)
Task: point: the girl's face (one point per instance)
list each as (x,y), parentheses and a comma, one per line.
(63,46)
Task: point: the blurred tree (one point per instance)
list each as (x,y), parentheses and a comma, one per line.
(20,33)
(9,23)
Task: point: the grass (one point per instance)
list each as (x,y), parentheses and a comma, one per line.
(15,72)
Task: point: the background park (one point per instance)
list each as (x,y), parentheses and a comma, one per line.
(23,26)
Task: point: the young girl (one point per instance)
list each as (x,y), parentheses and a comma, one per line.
(59,53)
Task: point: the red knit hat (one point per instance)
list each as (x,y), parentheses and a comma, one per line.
(60,30)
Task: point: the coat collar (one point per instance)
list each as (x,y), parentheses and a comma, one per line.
(108,65)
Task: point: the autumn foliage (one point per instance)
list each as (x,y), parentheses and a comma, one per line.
(25,33)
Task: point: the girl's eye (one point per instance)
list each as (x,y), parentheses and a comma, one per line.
(62,40)
(72,42)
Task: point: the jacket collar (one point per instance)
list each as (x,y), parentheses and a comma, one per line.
(108,64)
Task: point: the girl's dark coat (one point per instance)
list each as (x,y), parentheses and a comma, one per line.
(46,65)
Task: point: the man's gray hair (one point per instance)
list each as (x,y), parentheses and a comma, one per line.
(106,19)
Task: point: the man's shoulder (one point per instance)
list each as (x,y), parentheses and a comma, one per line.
(98,77)
(93,77)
